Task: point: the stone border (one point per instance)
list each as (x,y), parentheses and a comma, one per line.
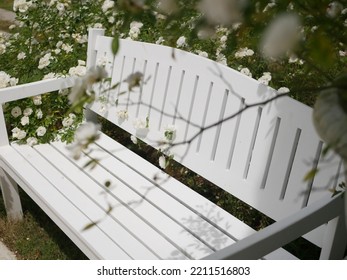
(5,253)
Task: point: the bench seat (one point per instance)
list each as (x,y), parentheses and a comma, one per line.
(153,216)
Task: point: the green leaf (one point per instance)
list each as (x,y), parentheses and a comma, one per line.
(89,226)
(91,163)
(311,174)
(115,44)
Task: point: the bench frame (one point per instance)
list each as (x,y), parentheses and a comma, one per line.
(257,245)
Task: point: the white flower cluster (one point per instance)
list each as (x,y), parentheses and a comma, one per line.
(107,5)
(266,78)
(135,29)
(26,115)
(243,52)
(160,40)
(83,85)
(181,42)
(78,71)
(69,120)
(85,135)
(21,56)
(294,59)
(21,6)
(18,133)
(202,53)
(222,35)
(246,71)
(2,48)
(45,61)
(6,80)
(283,90)
(79,38)
(122,115)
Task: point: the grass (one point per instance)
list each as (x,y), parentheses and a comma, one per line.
(36,237)
(6,4)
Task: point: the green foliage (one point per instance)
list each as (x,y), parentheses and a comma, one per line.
(60,36)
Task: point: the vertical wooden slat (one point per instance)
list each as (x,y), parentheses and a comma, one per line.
(91,50)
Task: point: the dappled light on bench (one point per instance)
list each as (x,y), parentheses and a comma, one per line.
(246,138)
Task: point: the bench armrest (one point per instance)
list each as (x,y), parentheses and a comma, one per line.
(34,88)
(282,232)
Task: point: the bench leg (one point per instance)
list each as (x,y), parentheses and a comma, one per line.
(335,239)
(11,197)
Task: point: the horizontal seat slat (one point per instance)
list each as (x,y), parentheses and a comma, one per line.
(91,204)
(127,188)
(221,221)
(60,209)
(140,239)
(154,194)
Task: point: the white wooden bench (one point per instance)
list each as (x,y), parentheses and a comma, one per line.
(261,156)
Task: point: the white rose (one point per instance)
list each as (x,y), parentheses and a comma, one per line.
(67,122)
(45,61)
(16,112)
(39,114)
(108,4)
(123,115)
(4,79)
(181,42)
(18,133)
(283,90)
(27,112)
(21,55)
(31,141)
(41,131)
(246,72)
(24,120)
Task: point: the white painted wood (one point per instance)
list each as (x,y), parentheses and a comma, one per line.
(335,239)
(3,136)
(260,156)
(10,195)
(34,88)
(93,33)
(59,208)
(219,226)
(278,139)
(282,232)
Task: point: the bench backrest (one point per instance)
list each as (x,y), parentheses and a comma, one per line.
(261,156)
